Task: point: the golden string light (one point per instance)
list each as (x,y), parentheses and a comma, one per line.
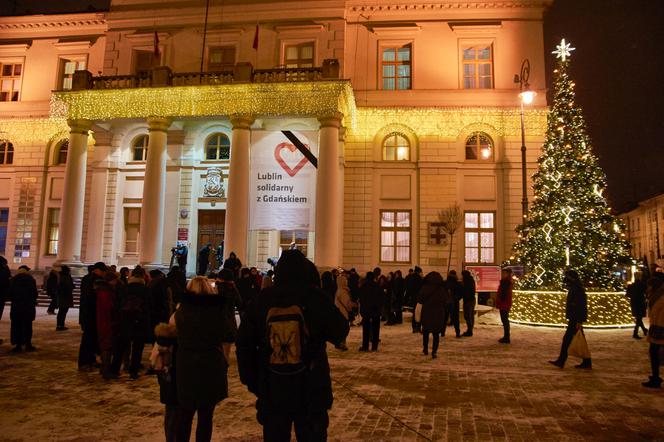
(33,130)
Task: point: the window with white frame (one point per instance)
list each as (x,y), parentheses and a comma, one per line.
(477,65)
(298,239)
(395,70)
(217,147)
(139,148)
(299,55)
(69,65)
(395,234)
(52,230)
(396,147)
(10,80)
(221,58)
(479,146)
(479,237)
(132,228)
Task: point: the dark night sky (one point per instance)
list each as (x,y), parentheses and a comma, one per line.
(617,66)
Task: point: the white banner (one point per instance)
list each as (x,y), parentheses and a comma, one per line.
(282,184)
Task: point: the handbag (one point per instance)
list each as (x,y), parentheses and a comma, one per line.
(579,347)
(418,312)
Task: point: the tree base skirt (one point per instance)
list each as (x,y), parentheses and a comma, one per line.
(547,308)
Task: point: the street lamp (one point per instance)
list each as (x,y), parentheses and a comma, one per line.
(526,96)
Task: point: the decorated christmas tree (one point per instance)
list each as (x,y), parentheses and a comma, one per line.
(569,224)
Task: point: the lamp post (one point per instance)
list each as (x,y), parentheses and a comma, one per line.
(526,96)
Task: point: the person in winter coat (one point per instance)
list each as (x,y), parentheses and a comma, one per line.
(201,380)
(636,292)
(134,324)
(292,384)
(413,284)
(234,264)
(576,312)
(162,359)
(87,317)
(344,303)
(468,285)
(656,331)
(432,298)
(176,283)
(23,296)
(504,303)
(371,302)
(397,289)
(247,287)
(232,302)
(51,287)
(204,259)
(65,296)
(5,276)
(328,285)
(159,308)
(453,298)
(107,320)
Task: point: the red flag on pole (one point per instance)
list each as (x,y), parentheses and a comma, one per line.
(157,53)
(256,38)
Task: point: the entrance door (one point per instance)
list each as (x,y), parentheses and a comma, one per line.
(211,230)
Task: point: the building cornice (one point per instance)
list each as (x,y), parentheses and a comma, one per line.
(53,23)
(449,5)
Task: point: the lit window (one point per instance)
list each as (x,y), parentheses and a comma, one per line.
(221,59)
(396,147)
(299,56)
(68,66)
(480,233)
(217,147)
(294,238)
(4,221)
(52,231)
(478,67)
(479,147)
(140,148)
(61,152)
(394,236)
(132,227)
(10,81)
(396,67)
(6,152)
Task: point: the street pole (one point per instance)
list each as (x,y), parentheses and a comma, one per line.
(524,173)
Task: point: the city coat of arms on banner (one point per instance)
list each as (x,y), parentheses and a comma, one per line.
(214,184)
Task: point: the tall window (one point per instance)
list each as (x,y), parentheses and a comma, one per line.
(140,148)
(479,146)
(394,236)
(61,152)
(4,221)
(68,66)
(480,234)
(10,81)
(143,62)
(294,238)
(221,58)
(6,152)
(396,147)
(396,67)
(478,67)
(217,147)
(52,231)
(300,55)
(132,227)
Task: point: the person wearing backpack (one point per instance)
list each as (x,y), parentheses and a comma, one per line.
(281,352)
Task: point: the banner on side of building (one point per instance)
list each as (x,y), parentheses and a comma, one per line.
(282,182)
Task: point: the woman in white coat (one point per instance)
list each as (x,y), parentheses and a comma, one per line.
(343,302)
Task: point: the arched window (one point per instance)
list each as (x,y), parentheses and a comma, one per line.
(396,147)
(140,148)
(479,146)
(6,152)
(217,147)
(61,152)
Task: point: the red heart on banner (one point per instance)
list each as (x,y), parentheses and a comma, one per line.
(277,156)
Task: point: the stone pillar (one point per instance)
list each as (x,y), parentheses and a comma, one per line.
(237,200)
(73,196)
(154,192)
(328,195)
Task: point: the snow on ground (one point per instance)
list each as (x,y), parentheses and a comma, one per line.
(477,389)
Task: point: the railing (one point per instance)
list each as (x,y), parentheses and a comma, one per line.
(198,78)
(121,81)
(280,75)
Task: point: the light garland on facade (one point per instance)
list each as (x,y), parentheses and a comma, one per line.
(32,131)
(605,309)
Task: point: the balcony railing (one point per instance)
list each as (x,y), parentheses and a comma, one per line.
(242,73)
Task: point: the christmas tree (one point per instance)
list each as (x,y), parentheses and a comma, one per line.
(569,224)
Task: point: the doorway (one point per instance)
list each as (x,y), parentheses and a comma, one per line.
(211,230)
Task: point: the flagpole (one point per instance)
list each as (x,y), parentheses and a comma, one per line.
(207,10)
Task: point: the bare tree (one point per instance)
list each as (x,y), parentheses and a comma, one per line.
(450,218)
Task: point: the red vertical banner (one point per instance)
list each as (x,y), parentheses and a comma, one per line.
(255,46)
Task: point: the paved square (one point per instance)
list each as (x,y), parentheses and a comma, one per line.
(477,389)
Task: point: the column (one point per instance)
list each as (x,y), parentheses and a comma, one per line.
(328,194)
(237,199)
(73,196)
(154,194)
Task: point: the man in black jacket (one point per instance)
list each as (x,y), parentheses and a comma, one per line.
(413,284)
(23,295)
(87,317)
(303,397)
(371,300)
(576,312)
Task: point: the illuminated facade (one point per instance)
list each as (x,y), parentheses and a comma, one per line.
(645,228)
(126,132)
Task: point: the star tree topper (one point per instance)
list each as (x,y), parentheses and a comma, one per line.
(563,50)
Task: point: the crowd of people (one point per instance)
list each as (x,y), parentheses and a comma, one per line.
(286,318)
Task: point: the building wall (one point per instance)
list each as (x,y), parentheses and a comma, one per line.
(645,230)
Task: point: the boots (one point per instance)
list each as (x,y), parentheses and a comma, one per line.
(654,382)
(587,364)
(106,371)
